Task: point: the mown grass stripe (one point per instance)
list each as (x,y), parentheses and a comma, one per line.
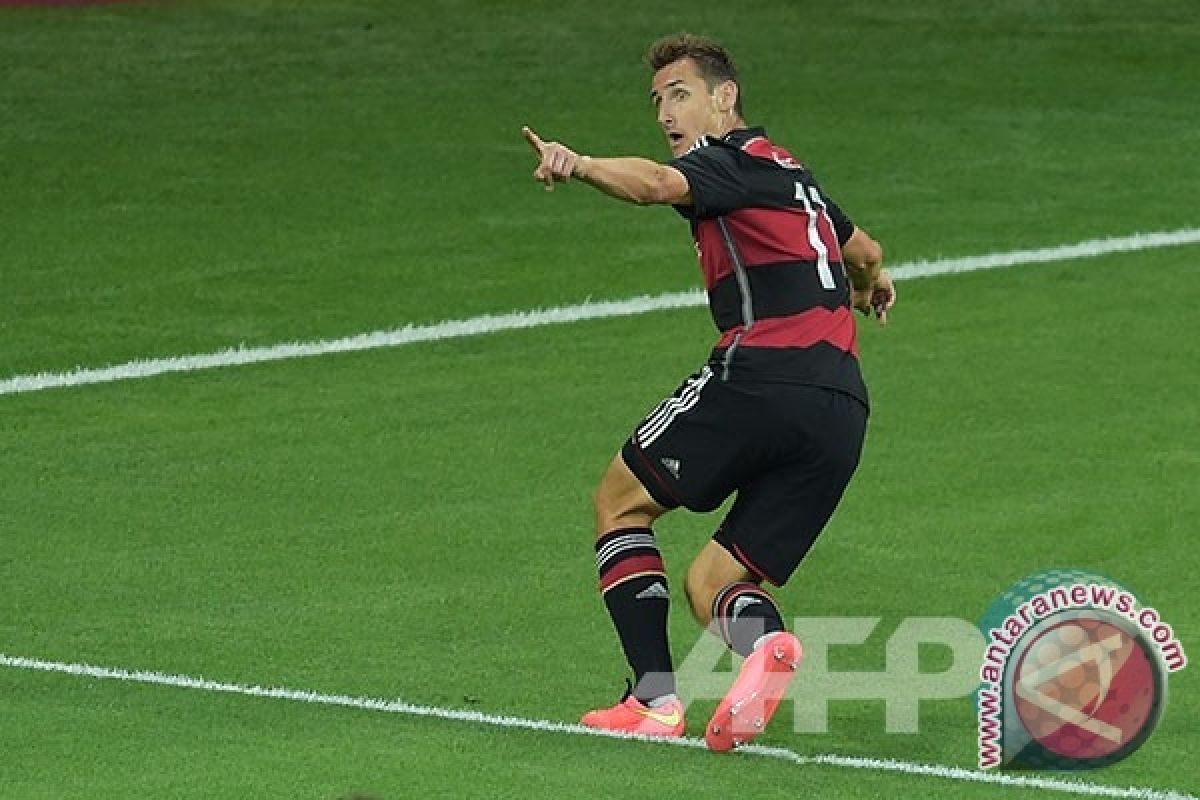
(516,320)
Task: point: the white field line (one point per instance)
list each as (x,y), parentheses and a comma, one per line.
(496,323)
(546,726)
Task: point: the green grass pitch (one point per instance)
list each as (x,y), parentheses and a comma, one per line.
(414,522)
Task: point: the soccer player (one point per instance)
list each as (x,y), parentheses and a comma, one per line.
(777,415)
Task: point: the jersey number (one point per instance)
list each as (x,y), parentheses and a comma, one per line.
(813,204)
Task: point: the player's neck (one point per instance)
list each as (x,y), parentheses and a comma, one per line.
(728,124)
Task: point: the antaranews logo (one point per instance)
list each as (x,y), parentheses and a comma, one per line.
(1074,674)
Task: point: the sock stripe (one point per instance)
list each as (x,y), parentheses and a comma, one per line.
(620,545)
(625,554)
(725,612)
(723,603)
(632,568)
(606,551)
(621,533)
(634,551)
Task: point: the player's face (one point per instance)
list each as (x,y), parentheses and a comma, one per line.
(687,109)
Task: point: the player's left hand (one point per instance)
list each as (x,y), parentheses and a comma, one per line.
(557,162)
(878,299)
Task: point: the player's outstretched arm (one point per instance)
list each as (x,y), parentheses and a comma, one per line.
(633,179)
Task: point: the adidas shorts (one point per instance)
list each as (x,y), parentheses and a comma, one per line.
(786,450)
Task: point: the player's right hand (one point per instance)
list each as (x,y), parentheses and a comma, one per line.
(556,162)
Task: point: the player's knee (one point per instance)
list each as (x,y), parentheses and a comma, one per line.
(620,501)
(605,507)
(616,513)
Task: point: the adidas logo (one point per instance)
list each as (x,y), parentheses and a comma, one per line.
(672,465)
(657,589)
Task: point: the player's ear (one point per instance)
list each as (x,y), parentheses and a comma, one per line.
(726,96)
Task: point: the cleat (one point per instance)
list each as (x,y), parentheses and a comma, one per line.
(631,716)
(755,694)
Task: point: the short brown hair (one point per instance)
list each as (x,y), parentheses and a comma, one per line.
(715,64)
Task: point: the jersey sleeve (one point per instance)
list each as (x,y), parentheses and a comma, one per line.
(842,224)
(715,179)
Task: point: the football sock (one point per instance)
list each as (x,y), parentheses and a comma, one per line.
(744,615)
(633,582)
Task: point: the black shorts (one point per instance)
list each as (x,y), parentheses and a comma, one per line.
(787,450)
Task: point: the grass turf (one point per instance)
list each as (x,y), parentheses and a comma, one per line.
(413,522)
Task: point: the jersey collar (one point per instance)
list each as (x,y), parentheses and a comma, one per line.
(739,136)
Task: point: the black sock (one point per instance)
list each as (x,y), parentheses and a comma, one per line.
(634,584)
(743,613)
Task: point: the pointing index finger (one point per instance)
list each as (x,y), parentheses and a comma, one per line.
(534,140)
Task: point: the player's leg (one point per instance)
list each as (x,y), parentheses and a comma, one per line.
(726,596)
(774,522)
(621,501)
(633,583)
(642,483)
(633,578)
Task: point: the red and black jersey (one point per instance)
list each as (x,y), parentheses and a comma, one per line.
(770,248)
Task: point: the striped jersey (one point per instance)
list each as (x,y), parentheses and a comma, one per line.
(769,243)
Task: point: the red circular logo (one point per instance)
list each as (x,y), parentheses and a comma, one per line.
(1087,689)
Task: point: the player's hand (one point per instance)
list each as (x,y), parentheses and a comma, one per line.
(557,162)
(878,298)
